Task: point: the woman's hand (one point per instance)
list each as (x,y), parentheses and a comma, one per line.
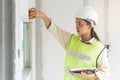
(81,75)
(35,13)
(84,75)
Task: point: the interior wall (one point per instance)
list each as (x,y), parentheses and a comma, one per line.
(0,39)
(6,37)
(114,39)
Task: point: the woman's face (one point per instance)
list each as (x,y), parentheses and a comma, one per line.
(82,27)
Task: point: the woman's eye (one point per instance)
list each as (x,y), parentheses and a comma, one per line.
(78,24)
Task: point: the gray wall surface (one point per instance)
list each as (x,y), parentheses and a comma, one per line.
(6,69)
(0,40)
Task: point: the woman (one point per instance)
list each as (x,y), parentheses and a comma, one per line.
(84,52)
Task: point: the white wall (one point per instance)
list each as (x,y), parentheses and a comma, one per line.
(62,12)
(114,38)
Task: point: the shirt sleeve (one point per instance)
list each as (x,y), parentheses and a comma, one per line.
(103,66)
(62,36)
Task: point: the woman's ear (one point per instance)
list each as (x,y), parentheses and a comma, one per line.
(90,27)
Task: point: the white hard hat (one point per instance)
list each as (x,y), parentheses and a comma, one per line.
(88,13)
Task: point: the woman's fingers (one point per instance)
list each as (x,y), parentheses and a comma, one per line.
(32,13)
(32,17)
(35,13)
(32,9)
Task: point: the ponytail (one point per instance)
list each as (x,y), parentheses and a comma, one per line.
(93,34)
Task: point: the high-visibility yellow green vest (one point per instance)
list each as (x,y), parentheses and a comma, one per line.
(80,55)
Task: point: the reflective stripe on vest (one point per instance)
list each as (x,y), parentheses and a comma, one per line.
(80,56)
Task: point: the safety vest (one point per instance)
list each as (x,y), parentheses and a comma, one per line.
(80,55)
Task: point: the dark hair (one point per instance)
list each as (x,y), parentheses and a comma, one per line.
(93,33)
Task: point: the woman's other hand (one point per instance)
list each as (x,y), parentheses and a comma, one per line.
(84,75)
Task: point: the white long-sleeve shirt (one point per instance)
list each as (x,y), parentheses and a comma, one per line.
(63,37)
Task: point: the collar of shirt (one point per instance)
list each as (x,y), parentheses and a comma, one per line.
(91,41)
